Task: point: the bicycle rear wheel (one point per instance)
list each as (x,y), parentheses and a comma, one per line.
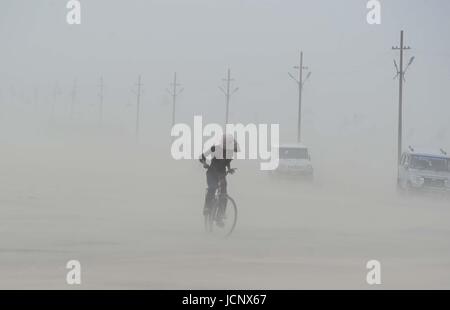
(229,220)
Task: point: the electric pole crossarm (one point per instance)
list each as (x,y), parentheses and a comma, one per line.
(222,90)
(292,77)
(307,78)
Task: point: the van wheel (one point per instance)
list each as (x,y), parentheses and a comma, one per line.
(400,189)
(409,190)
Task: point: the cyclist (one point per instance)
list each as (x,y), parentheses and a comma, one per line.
(221,157)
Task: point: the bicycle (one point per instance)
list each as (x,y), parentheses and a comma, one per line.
(229,216)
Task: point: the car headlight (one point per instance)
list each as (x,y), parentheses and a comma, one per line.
(418,180)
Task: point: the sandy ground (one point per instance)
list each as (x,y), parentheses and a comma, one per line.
(132,217)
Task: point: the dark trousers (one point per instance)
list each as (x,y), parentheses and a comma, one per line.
(216,181)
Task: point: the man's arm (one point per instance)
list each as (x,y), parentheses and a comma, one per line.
(229,169)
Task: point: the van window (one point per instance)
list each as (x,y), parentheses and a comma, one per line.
(430,163)
(294,153)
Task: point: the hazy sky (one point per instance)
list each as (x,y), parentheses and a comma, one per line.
(260,40)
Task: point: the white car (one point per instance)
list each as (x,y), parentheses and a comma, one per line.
(424,170)
(294,159)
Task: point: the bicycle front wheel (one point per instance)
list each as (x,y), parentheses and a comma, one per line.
(231,214)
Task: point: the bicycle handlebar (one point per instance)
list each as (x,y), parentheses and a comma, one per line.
(206,166)
(232,169)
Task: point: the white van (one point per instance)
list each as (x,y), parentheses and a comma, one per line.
(294,159)
(424,170)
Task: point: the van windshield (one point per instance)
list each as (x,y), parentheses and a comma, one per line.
(293,153)
(430,163)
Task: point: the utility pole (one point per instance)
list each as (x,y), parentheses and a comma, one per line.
(36,98)
(228,93)
(174,92)
(101,87)
(300,82)
(73,98)
(138,103)
(401,79)
(56,93)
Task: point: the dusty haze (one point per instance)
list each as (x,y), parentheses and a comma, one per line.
(73,187)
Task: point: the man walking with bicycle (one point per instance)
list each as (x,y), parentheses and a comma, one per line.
(221,156)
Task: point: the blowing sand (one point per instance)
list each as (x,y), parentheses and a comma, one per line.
(132,217)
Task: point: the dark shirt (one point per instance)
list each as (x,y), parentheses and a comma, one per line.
(217,165)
